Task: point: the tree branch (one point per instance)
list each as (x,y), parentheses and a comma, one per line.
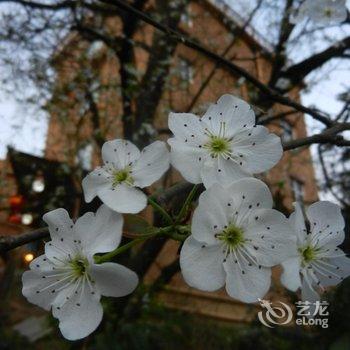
(12,242)
(299,71)
(329,135)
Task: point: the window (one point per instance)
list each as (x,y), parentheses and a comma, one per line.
(185,71)
(287,131)
(186,17)
(298,190)
(84,157)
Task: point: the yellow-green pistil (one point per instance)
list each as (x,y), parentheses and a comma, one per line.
(232,236)
(328,12)
(79,266)
(308,253)
(122,176)
(218,146)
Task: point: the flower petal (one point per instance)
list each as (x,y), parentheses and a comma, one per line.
(332,271)
(308,293)
(80,315)
(187,128)
(60,224)
(41,263)
(119,153)
(234,112)
(114,280)
(211,215)
(327,223)
(59,252)
(222,171)
(271,238)
(290,277)
(124,199)
(100,232)
(201,265)
(247,195)
(261,150)
(187,160)
(94,182)
(245,282)
(152,164)
(297,221)
(38,290)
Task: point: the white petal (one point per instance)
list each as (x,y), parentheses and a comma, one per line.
(290,277)
(272,238)
(222,171)
(152,164)
(327,223)
(59,252)
(187,160)
(41,263)
(114,280)
(94,182)
(124,199)
(332,271)
(201,266)
(37,289)
(119,153)
(261,150)
(80,315)
(297,221)
(100,232)
(247,195)
(211,215)
(244,282)
(59,222)
(308,293)
(234,112)
(187,128)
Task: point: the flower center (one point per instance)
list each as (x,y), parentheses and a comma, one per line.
(232,236)
(79,266)
(122,176)
(218,145)
(327,12)
(308,254)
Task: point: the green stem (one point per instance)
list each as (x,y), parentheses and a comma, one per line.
(108,256)
(185,207)
(161,211)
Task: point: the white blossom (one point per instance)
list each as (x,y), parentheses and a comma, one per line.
(66,279)
(222,146)
(236,239)
(318,262)
(117,183)
(321,12)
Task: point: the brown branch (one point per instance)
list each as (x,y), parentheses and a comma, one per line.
(329,135)
(299,71)
(12,242)
(328,180)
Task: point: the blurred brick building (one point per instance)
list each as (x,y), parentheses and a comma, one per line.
(72,122)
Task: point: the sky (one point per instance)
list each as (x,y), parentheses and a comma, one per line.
(25,128)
